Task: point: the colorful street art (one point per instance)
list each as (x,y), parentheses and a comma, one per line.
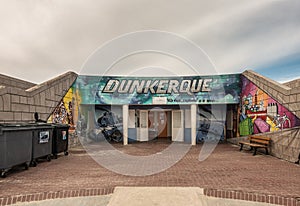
(261,113)
(115,90)
(66,111)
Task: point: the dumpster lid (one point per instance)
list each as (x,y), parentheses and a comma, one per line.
(15,126)
(59,125)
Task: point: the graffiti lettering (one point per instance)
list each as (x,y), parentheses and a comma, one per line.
(158,86)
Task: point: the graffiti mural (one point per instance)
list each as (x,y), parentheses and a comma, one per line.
(261,113)
(107,90)
(64,112)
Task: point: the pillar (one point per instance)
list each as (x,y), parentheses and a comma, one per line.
(125,124)
(91,119)
(193,123)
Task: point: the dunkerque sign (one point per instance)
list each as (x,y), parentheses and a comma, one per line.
(159,90)
(162,86)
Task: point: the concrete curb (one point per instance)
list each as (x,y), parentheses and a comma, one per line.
(209,192)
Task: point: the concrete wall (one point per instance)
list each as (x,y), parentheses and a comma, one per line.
(285,144)
(286,94)
(18,103)
(13,82)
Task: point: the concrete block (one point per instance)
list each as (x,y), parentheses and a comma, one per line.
(17,116)
(26,116)
(13,83)
(6,116)
(32,108)
(282,90)
(65,85)
(274,138)
(52,93)
(293,98)
(296,152)
(1,104)
(19,91)
(286,99)
(44,116)
(294,90)
(49,103)
(40,109)
(49,110)
(294,142)
(20,108)
(283,141)
(58,98)
(60,88)
(278,149)
(279,98)
(69,82)
(56,89)
(47,94)
(275,93)
(295,106)
(37,100)
(42,98)
(30,100)
(287,158)
(15,99)
(23,100)
(288,151)
(295,133)
(6,102)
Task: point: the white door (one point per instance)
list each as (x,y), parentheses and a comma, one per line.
(177,126)
(143,127)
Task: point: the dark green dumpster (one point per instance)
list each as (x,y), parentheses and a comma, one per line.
(15,146)
(60,139)
(41,142)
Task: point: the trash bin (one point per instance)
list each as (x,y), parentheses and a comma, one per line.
(60,139)
(41,142)
(15,146)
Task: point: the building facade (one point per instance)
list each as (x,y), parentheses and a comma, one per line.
(190,109)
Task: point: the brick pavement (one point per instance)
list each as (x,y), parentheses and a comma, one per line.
(226,173)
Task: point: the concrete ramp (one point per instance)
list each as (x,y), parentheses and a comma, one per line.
(173,196)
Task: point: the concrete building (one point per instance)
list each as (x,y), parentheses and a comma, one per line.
(20,99)
(188,109)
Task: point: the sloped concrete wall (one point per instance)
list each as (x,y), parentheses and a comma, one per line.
(285,144)
(18,104)
(13,82)
(286,94)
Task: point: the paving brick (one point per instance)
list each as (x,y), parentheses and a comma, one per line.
(225,173)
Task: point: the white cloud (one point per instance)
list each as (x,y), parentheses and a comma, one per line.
(41,39)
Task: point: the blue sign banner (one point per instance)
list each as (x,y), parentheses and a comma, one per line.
(115,90)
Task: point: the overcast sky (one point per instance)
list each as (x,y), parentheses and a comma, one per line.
(42,39)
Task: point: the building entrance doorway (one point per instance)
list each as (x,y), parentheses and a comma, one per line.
(159,123)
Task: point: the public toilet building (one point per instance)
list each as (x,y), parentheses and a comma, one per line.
(187,109)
